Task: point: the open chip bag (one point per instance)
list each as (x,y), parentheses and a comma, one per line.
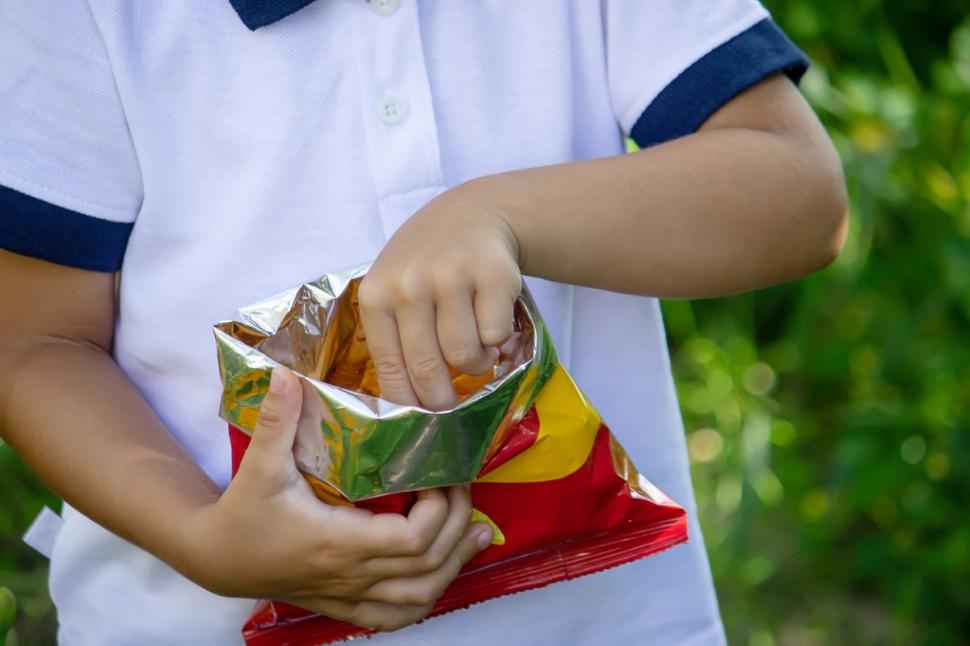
(561,495)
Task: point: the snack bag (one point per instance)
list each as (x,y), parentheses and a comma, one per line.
(559,491)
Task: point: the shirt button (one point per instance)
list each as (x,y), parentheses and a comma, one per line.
(392,110)
(384,7)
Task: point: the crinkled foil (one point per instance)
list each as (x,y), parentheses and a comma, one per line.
(350,439)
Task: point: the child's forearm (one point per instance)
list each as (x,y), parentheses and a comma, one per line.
(754,198)
(105,452)
(84,429)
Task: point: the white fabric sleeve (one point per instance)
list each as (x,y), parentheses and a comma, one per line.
(673,63)
(70,185)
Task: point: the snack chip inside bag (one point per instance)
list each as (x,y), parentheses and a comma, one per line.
(561,495)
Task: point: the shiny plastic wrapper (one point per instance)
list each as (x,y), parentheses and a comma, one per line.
(560,493)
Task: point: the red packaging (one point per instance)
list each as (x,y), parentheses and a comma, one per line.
(561,494)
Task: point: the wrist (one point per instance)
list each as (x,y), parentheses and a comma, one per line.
(490,197)
(194,551)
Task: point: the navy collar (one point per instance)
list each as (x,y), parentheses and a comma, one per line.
(259,13)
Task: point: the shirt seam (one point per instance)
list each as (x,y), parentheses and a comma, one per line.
(16,182)
(692,56)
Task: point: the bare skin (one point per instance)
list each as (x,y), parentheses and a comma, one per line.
(754,198)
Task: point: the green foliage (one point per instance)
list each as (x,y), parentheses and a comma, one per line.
(828,419)
(8,612)
(22,571)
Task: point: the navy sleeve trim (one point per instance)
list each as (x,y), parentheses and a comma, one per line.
(259,13)
(716,78)
(32,227)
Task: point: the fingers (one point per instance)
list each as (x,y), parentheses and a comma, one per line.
(426,588)
(495,312)
(441,547)
(279,414)
(458,335)
(389,535)
(368,614)
(426,366)
(416,329)
(384,344)
(393,603)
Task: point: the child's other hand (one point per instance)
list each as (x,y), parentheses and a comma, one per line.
(268,536)
(440,294)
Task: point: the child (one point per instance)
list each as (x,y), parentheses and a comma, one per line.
(216,152)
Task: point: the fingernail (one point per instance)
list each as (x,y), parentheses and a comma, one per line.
(277,383)
(484,537)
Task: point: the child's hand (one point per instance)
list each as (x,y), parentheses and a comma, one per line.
(269,536)
(441,293)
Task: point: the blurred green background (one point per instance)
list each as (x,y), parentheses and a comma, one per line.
(828,420)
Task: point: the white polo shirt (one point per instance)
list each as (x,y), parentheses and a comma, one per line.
(217,152)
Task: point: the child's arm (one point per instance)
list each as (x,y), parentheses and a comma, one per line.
(84,429)
(754,198)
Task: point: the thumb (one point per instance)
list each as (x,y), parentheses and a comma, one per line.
(278,417)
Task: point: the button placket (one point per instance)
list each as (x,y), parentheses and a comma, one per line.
(400,129)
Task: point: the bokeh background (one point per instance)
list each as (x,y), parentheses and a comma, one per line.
(828,420)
